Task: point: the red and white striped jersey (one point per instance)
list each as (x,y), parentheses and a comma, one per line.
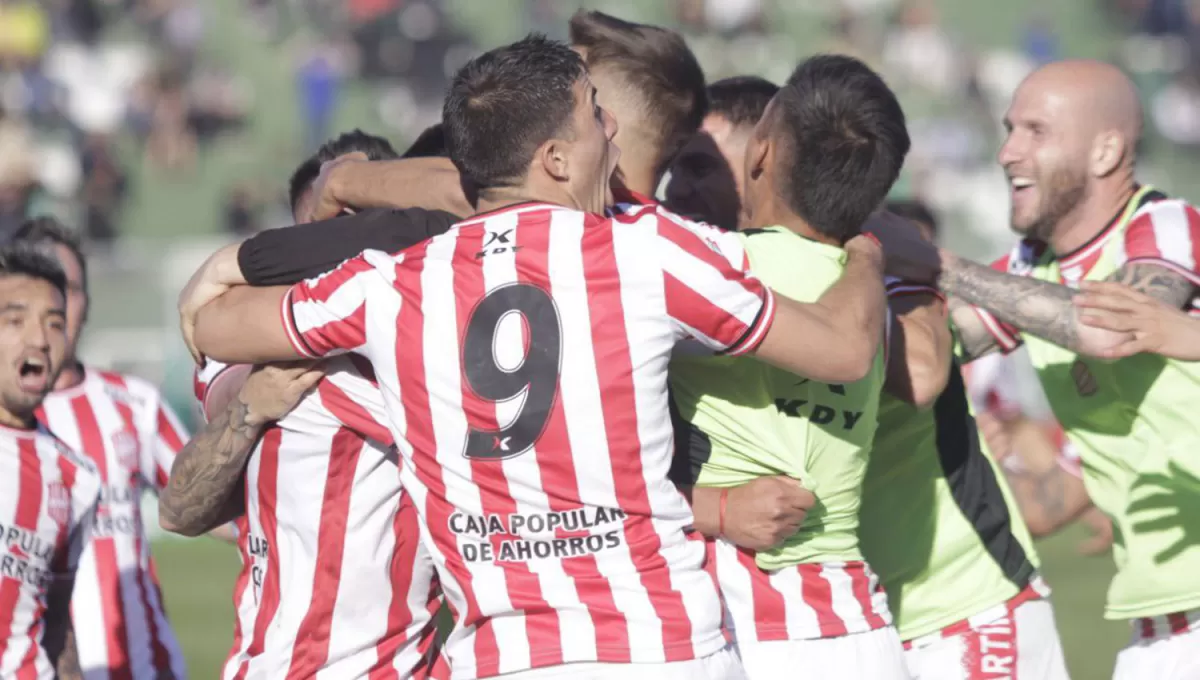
(1162,231)
(334,582)
(130,435)
(805,602)
(47,497)
(523,361)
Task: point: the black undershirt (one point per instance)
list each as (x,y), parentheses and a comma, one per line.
(289,255)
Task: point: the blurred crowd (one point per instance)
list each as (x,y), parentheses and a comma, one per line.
(71,92)
(84,83)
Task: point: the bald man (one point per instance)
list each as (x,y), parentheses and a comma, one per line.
(1070,157)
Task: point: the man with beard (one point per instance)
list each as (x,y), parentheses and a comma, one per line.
(47,493)
(1070,155)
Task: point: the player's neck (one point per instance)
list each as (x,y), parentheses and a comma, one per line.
(637,175)
(10,419)
(1093,214)
(500,198)
(71,375)
(775,214)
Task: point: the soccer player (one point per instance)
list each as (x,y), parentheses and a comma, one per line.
(1070,157)
(823,156)
(559,538)
(126,429)
(961,577)
(1155,327)
(707,177)
(47,493)
(333,579)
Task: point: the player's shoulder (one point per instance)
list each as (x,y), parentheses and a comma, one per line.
(1160,211)
(49,444)
(1023,257)
(127,389)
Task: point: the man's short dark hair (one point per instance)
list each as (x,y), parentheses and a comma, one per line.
(376,148)
(44,232)
(429,144)
(845,139)
(506,103)
(741,100)
(658,66)
(916,211)
(24,258)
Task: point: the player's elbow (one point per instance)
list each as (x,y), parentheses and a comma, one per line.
(1039,525)
(928,379)
(169,520)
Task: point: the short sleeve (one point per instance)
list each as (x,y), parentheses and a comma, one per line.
(326,316)
(205,381)
(351,393)
(1007,337)
(1166,233)
(710,300)
(165,438)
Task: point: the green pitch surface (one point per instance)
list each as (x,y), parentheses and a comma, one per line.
(197,577)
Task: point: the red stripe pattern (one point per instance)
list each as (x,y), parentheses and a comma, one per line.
(805,602)
(1161,627)
(334,580)
(556,532)
(47,495)
(126,431)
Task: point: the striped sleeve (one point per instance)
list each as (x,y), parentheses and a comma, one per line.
(710,299)
(167,441)
(83,484)
(326,316)
(206,378)
(1007,337)
(1166,233)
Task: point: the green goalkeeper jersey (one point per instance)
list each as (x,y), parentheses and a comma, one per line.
(938,523)
(749,419)
(1135,421)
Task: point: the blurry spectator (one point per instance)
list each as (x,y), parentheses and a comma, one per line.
(24,32)
(1176,109)
(170,144)
(104,189)
(318,80)
(918,50)
(1040,40)
(242,211)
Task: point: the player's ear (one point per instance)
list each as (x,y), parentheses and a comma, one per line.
(553,157)
(758,150)
(1109,149)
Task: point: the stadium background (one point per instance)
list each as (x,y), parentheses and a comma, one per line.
(165,127)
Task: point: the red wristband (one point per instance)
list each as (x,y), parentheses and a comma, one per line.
(873,237)
(721,512)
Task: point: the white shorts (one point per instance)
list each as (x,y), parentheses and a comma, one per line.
(724,665)
(1162,648)
(1020,645)
(874,655)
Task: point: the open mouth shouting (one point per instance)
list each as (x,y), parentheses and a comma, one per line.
(33,373)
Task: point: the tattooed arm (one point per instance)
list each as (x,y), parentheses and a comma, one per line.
(201,494)
(1048,495)
(1045,309)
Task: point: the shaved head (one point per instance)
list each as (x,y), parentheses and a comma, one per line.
(1073,129)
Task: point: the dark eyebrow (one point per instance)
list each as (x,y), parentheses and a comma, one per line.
(57,311)
(13,307)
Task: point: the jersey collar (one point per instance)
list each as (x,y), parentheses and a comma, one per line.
(1086,253)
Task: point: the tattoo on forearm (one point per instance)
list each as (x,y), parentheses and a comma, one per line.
(1166,286)
(1049,491)
(207,470)
(1037,307)
(973,338)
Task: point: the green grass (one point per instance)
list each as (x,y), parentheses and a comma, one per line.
(197,577)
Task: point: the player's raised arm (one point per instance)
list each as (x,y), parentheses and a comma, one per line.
(246,326)
(432,183)
(920,344)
